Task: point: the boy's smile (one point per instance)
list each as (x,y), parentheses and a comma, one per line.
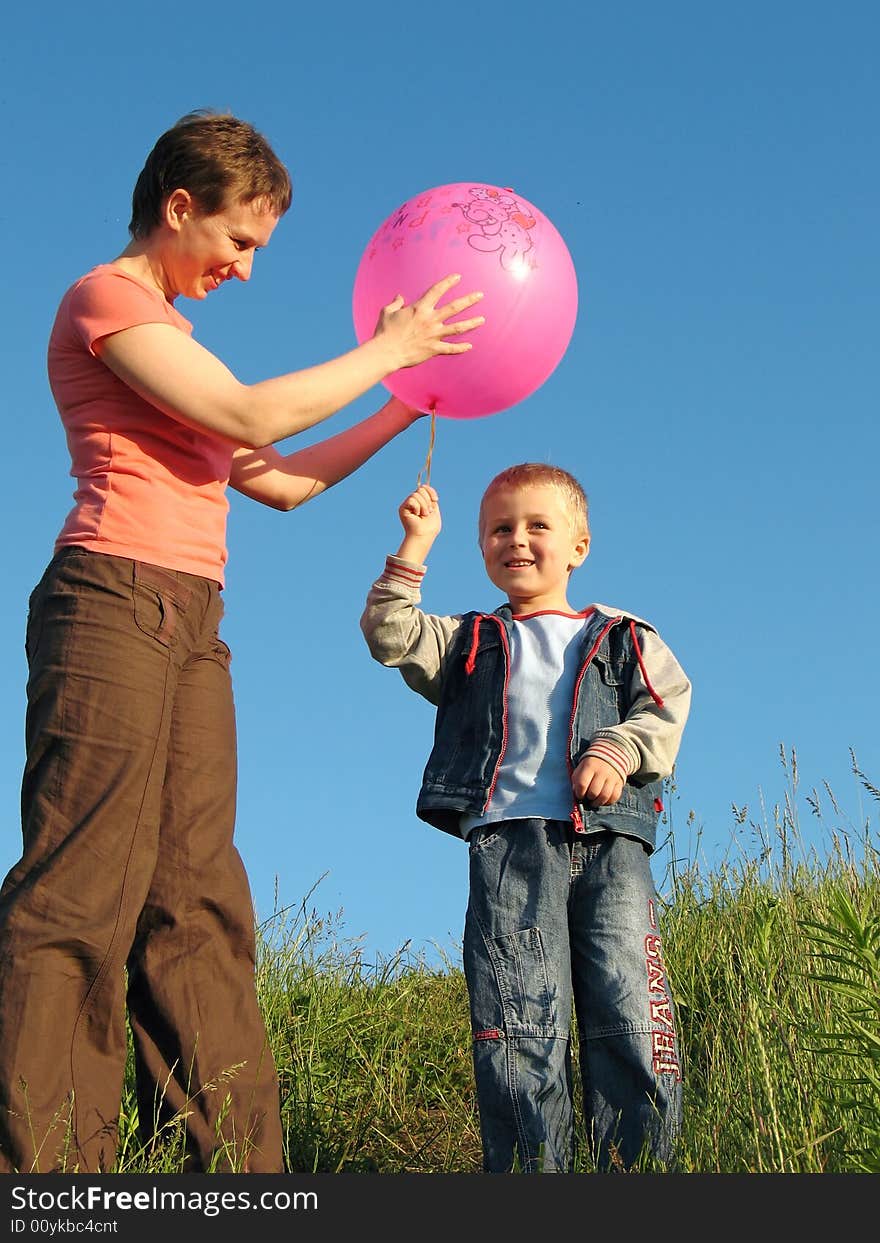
(528,546)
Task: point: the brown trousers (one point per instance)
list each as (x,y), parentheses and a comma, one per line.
(128,805)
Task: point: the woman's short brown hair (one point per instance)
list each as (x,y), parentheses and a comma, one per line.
(218,159)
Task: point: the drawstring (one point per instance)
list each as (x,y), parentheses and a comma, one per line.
(657,700)
(475,643)
(471,661)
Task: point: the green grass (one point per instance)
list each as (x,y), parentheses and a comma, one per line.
(775,965)
(774,961)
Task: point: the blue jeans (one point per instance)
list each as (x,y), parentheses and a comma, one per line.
(557,919)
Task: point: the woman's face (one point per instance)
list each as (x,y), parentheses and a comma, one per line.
(208,250)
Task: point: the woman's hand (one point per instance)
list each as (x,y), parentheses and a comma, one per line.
(417,331)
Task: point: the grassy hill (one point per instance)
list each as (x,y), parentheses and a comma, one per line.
(774,961)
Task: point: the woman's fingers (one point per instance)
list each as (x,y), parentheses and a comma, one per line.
(420,329)
(453,308)
(459,304)
(464,325)
(439,288)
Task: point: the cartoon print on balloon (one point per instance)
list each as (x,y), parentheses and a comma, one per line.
(503,226)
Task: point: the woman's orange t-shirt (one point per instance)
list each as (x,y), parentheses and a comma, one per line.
(148,487)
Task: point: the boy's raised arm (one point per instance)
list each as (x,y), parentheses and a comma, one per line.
(398,633)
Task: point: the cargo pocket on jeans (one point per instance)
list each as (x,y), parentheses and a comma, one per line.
(521,971)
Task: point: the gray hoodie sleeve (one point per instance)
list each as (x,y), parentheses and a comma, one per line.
(650,735)
(400,635)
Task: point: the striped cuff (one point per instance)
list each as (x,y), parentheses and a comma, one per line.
(402,573)
(611,753)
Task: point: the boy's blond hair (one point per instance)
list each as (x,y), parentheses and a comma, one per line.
(542,474)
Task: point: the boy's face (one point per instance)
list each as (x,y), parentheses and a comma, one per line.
(528,546)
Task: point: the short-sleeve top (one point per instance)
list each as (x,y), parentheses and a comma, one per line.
(147,486)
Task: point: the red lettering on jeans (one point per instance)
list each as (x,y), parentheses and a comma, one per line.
(656,979)
(491,1033)
(664,1059)
(663,1054)
(661,1011)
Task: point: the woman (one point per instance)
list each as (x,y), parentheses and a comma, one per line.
(128,796)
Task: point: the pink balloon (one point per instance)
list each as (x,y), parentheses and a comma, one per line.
(501,244)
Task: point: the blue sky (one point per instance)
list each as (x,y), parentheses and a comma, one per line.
(713,170)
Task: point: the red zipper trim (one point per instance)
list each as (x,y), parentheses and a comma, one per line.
(575,815)
(506,645)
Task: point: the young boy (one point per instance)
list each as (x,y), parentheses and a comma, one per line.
(555,729)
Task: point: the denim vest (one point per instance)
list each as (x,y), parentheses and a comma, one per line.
(470,730)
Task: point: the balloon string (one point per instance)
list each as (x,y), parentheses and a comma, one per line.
(427,467)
